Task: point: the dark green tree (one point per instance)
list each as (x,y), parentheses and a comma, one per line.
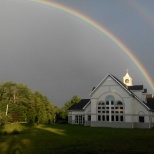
(63,112)
(19,103)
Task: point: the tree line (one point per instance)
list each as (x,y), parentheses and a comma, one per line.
(19,104)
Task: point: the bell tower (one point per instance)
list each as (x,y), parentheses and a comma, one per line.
(127,79)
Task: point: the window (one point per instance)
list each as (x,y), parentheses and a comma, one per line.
(76,119)
(99,118)
(100,103)
(83,120)
(112,118)
(121,118)
(110,110)
(141,119)
(109,98)
(107,103)
(119,103)
(79,119)
(89,117)
(70,119)
(127,81)
(107,118)
(117,118)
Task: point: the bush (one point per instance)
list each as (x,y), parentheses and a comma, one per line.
(5,132)
(13,128)
(62,122)
(15,132)
(5,119)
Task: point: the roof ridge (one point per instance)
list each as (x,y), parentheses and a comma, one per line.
(133,94)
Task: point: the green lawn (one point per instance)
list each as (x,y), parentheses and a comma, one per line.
(74,139)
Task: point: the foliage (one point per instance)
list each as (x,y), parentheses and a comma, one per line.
(13,128)
(63,112)
(19,104)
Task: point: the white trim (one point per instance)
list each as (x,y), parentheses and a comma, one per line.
(98,85)
(131,93)
(120,84)
(141,102)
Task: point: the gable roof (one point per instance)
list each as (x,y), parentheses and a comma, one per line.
(80,105)
(115,79)
(125,87)
(135,87)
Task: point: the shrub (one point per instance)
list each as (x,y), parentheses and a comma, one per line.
(15,131)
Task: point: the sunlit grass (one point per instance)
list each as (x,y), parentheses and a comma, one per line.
(52,130)
(75,139)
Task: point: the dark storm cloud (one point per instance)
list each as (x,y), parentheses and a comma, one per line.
(55,53)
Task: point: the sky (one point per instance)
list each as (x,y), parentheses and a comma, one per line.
(61,55)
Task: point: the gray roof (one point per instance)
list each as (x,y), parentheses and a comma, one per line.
(133,95)
(150,103)
(135,87)
(80,105)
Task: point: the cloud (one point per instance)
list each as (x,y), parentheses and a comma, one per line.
(55,53)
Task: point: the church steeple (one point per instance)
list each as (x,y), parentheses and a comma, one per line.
(127,79)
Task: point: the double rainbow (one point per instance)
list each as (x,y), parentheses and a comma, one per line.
(103,31)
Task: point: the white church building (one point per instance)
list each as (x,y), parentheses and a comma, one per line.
(114,103)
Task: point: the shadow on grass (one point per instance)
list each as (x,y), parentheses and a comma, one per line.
(68,139)
(35,139)
(41,139)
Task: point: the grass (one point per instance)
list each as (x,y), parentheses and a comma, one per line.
(76,139)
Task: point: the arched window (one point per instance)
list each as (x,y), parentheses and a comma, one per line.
(100,103)
(110,110)
(109,98)
(119,103)
(127,81)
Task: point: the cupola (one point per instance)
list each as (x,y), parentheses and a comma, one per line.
(127,79)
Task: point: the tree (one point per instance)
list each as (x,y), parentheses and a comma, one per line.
(24,105)
(63,112)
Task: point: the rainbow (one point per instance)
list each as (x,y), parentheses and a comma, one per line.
(103,31)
